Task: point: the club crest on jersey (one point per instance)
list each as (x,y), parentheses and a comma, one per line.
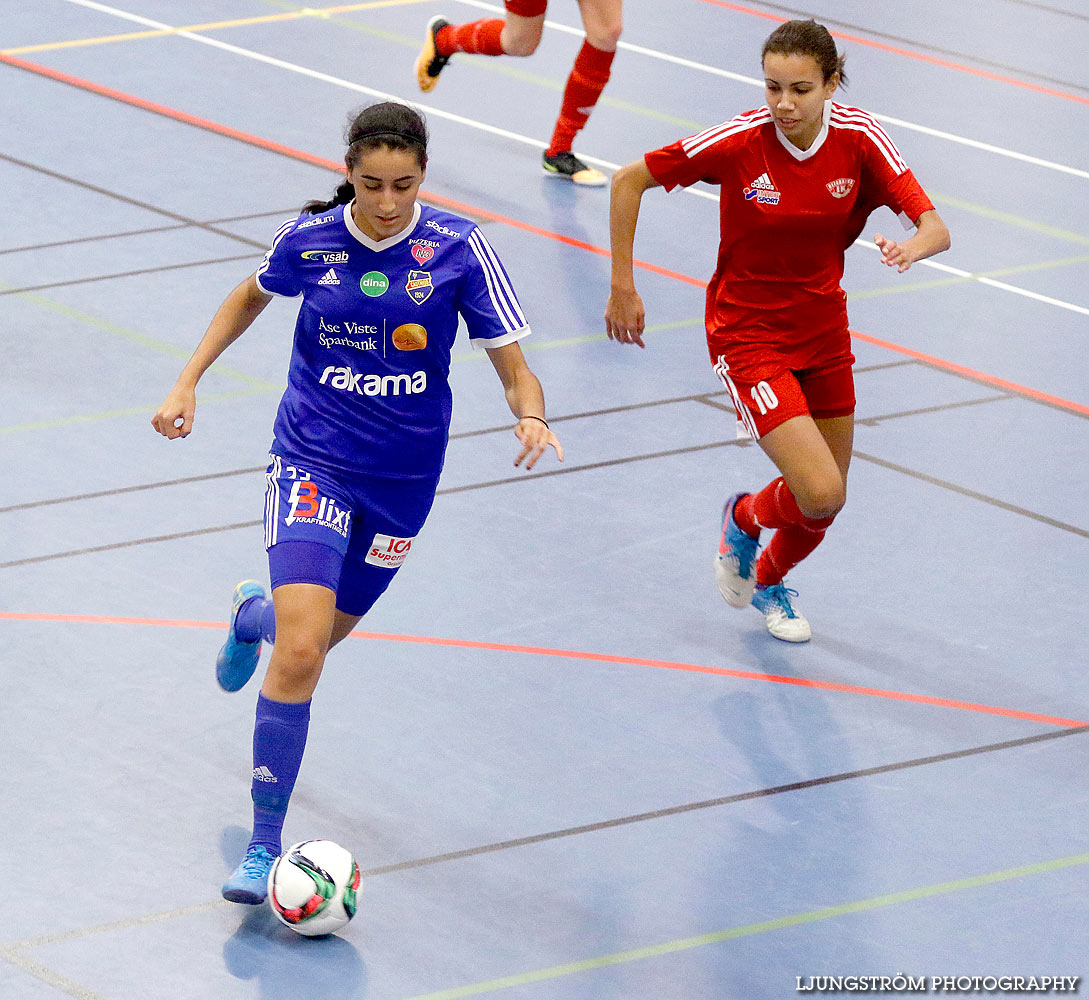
(419,286)
(422,254)
(762,191)
(840,187)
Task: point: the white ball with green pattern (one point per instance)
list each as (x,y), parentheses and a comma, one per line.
(313,887)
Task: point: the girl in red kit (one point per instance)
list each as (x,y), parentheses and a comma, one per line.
(519,34)
(799,178)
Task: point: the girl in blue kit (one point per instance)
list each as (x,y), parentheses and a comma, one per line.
(361,431)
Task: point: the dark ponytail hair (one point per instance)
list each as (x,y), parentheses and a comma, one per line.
(388,125)
(807,38)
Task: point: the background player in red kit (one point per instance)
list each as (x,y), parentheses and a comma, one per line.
(519,34)
(799,178)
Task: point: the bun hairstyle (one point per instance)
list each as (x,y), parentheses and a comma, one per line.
(388,125)
(809,39)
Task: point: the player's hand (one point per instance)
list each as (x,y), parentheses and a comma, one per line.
(894,254)
(625,317)
(174,419)
(535,438)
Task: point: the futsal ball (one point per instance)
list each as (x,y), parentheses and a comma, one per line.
(313,887)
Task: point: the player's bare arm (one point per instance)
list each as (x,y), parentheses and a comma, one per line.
(625,317)
(240,308)
(931,237)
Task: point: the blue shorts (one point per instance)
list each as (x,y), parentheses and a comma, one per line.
(348,533)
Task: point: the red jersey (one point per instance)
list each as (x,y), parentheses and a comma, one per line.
(787,217)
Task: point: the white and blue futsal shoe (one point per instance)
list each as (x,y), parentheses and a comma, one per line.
(784,621)
(735,563)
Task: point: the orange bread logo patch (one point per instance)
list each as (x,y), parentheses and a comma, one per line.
(410,337)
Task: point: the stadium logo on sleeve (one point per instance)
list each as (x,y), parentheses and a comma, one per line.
(840,187)
(373,283)
(441,229)
(763,191)
(319,221)
(422,254)
(326,256)
(419,286)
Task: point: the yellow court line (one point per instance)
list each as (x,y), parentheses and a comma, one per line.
(240,22)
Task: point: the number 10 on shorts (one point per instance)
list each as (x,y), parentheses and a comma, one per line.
(764,397)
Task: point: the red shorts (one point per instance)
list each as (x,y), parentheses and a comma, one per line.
(526,8)
(762,404)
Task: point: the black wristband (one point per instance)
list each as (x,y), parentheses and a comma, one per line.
(529,416)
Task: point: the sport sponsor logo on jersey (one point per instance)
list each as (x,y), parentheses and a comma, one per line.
(326,256)
(388,551)
(374,385)
(442,229)
(307,504)
(319,221)
(840,187)
(329,278)
(419,286)
(361,336)
(422,254)
(373,284)
(762,190)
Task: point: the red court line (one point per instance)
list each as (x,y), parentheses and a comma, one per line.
(317,161)
(572,654)
(960,67)
(971,373)
(297,154)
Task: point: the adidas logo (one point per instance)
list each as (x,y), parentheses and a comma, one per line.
(329,278)
(262,773)
(763,181)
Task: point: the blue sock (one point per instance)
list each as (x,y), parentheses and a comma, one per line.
(279,738)
(256,619)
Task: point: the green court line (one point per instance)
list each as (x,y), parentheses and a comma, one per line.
(1009,219)
(130,411)
(261,387)
(134,336)
(763,927)
(1002,272)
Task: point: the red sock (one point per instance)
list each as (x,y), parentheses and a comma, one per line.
(797,535)
(480,37)
(787,548)
(773,507)
(584,87)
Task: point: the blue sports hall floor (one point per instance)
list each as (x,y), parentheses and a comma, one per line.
(567,768)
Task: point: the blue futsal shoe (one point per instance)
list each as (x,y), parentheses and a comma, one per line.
(735,564)
(237,660)
(784,621)
(249,881)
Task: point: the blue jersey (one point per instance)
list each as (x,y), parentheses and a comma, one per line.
(368,387)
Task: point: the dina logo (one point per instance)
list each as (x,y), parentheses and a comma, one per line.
(373,283)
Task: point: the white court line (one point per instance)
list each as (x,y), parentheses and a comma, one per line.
(752,81)
(504,133)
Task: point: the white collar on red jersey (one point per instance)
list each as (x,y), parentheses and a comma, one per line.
(389,241)
(805,154)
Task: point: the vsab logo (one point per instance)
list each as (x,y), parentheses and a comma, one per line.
(326,256)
